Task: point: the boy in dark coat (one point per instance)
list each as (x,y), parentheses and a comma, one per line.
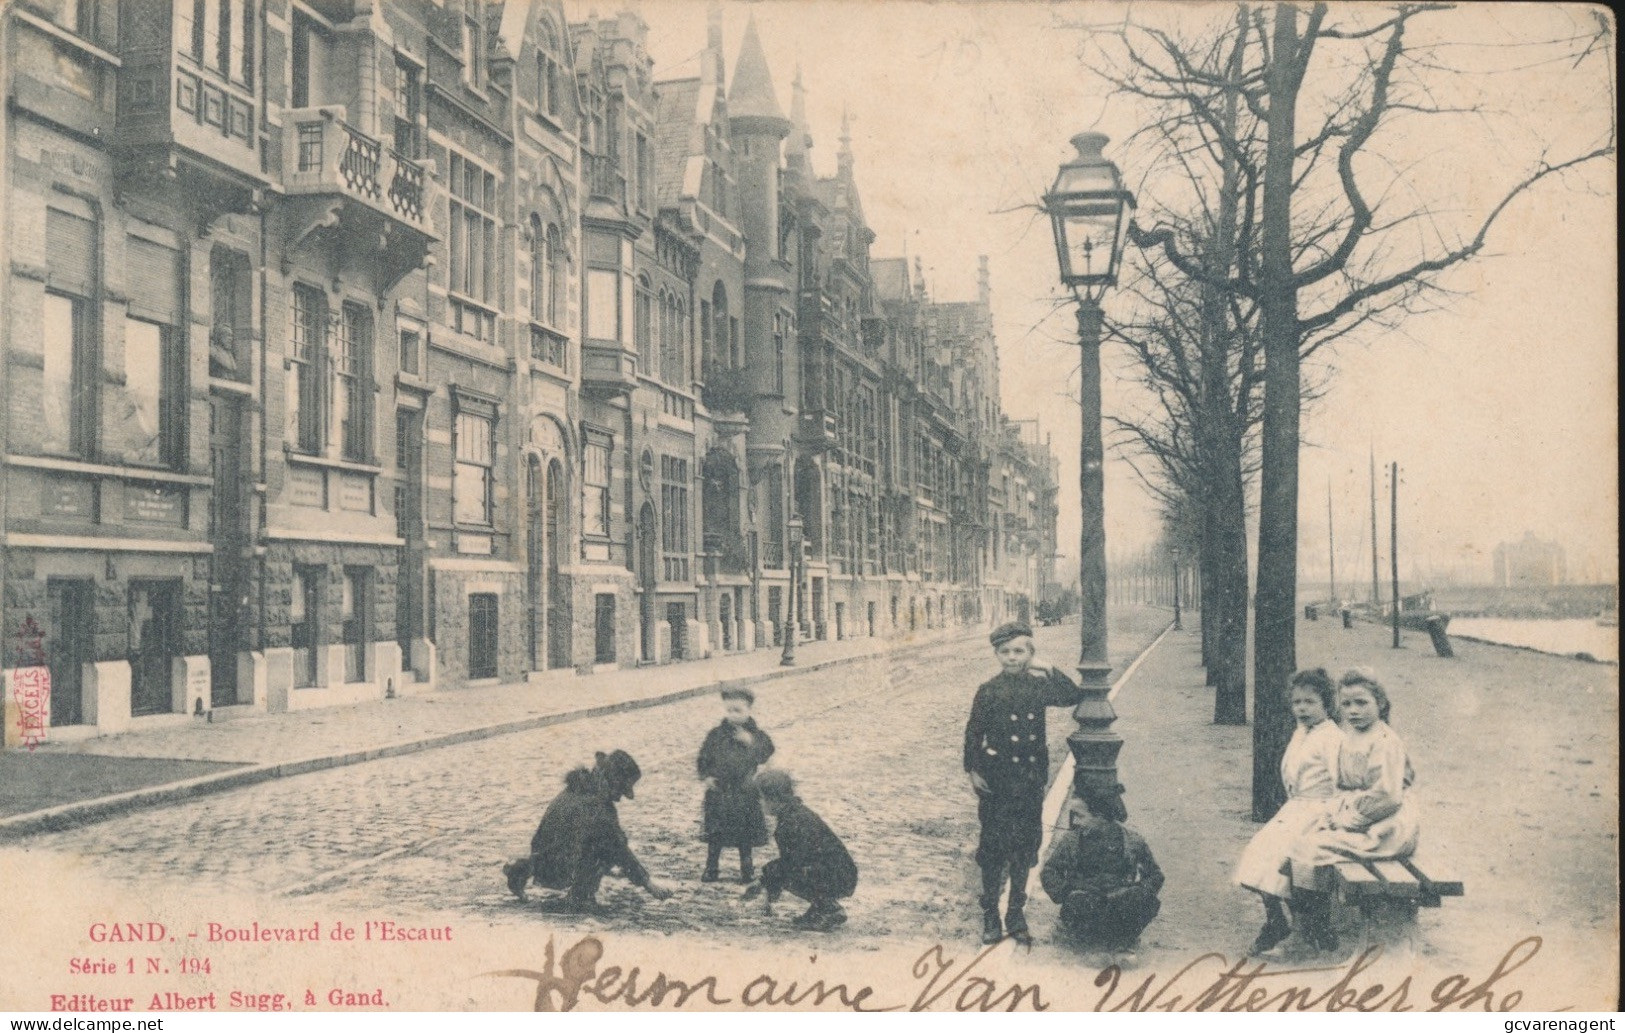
(729,757)
(579,840)
(1102,873)
(813,863)
(1007,758)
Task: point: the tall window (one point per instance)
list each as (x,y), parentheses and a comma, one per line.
(408,108)
(603,301)
(151,384)
(720,347)
(312,53)
(546,272)
(472,480)
(642,173)
(474,275)
(153,373)
(643,326)
(473,51)
(781,325)
(673,331)
(353,390)
(674,540)
(548,85)
(411,348)
(68,395)
(354,616)
(306,366)
(595,486)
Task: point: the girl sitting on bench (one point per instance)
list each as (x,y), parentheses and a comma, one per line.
(1371,818)
(1309,772)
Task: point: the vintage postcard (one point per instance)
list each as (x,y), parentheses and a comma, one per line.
(808,506)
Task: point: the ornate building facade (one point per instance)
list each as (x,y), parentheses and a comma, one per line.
(355,349)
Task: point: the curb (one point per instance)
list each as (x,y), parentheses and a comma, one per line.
(1056,795)
(85,812)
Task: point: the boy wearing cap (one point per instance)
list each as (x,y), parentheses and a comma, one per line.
(1102,873)
(1007,759)
(580,840)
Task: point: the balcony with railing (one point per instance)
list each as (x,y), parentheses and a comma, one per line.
(723,555)
(727,389)
(549,347)
(605,181)
(816,429)
(322,154)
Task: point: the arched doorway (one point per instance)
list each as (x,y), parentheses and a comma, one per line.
(648,556)
(558,593)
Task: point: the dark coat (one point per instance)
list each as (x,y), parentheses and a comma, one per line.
(1006,738)
(813,863)
(733,808)
(1099,856)
(580,836)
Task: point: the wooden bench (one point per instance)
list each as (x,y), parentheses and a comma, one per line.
(1390,886)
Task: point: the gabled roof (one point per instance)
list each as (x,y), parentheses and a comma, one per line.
(675,120)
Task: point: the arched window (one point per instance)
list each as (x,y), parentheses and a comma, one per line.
(643,326)
(538,269)
(553,273)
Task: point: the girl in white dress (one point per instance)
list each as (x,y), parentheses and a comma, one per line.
(1308,770)
(1371,818)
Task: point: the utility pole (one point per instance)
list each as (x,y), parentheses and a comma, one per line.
(1393,541)
(1331,548)
(1376,594)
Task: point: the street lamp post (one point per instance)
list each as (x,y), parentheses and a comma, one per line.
(1090,211)
(1177,625)
(793,532)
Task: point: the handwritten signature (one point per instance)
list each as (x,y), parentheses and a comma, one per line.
(945,982)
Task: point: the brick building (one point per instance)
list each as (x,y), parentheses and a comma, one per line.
(354,349)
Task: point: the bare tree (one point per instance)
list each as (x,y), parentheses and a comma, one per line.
(1328,233)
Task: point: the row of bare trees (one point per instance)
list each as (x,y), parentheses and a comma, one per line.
(1287,203)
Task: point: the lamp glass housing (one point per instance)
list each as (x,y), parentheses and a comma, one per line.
(1089,211)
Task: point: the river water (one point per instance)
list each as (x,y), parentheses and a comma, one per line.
(1563,637)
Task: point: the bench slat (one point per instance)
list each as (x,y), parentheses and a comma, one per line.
(1439,887)
(1356,879)
(1397,880)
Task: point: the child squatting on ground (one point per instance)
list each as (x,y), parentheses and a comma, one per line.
(728,760)
(1007,758)
(579,839)
(813,863)
(1102,873)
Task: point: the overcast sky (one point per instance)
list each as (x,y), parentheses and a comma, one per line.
(1501,408)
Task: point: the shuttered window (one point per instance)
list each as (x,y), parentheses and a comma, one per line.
(70,242)
(155,281)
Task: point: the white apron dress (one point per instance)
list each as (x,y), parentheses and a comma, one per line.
(1308,770)
(1373,817)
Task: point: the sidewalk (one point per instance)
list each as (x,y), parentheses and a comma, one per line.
(62,784)
(1517,763)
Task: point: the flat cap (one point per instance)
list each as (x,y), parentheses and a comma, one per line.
(1005,632)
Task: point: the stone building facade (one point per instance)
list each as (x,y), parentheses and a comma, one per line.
(358,349)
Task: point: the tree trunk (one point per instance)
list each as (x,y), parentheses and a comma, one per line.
(1225,502)
(1274,616)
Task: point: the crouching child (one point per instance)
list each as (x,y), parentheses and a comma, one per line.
(579,840)
(1102,873)
(813,863)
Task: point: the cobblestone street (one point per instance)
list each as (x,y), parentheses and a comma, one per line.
(875,746)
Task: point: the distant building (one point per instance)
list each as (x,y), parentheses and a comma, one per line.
(1529,562)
